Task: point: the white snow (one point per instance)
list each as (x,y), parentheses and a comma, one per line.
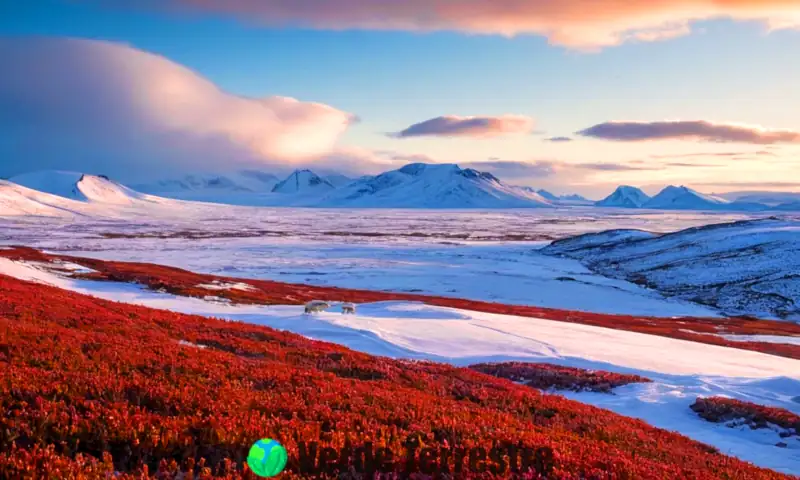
(681,370)
(216,285)
(763,338)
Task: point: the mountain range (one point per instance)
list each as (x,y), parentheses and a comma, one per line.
(416,185)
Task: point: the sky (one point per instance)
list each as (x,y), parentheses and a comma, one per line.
(571,95)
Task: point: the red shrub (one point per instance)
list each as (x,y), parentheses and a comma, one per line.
(727,410)
(545,376)
(89,387)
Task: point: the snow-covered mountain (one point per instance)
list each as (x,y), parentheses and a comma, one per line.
(303,182)
(684,198)
(766,198)
(573,199)
(625,197)
(421,185)
(545,194)
(197,185)
(742,268)
(69,194)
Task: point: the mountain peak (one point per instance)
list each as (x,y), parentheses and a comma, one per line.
(303,181)
(684,198)
(625,196)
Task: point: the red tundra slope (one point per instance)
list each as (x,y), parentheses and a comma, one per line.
(90,387)
(182,282)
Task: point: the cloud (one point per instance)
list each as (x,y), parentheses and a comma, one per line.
(107,107)
(582,24)
(614,167)
(699,130)
(455,126)
(558,139)
(740,154)
(765,184)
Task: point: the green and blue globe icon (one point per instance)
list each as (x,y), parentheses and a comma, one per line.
(267,458)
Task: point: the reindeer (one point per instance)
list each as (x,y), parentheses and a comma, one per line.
(348,309)
(316,306)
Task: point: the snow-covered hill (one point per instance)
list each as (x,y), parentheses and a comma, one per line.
(81,187)
(743,268)
(788,207)
(625,197)
(421,185)
(16,200)
(303,182)
(212,187)
(71,194)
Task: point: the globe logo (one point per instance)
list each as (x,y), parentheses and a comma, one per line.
(267,458)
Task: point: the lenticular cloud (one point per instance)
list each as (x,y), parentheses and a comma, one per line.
(117,106)
(698,130)
(572,23)
(455,126)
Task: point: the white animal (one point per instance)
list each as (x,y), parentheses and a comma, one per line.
(348,308)
(316,306)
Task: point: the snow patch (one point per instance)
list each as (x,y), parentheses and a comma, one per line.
(218,285)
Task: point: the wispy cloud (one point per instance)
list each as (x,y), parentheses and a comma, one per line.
(755,184)
(583,24)
(85,104)
(615,167)
(456,126)
(699,130)
(744,153)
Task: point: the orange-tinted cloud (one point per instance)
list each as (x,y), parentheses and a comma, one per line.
(572,23)
(455,126)
(698,130)
(70,102)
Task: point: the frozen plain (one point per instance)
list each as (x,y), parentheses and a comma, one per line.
(480,255)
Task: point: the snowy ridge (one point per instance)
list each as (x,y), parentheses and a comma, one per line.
(573,199)
(742,268)
(422,185)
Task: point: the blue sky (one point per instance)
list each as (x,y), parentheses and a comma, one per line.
(724,71)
